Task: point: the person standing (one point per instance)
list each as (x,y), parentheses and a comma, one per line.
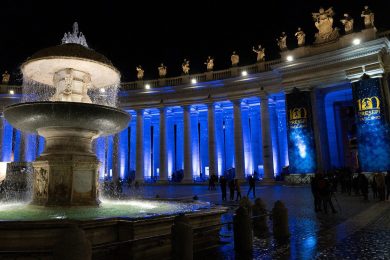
(387,181)
(252,186)
(222,183)
(238,189)
(231,189)
(315,192)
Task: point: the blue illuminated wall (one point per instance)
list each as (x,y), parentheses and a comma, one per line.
(333,124)
(373,133)
(301,153)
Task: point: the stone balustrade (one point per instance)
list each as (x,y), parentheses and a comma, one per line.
(206,76)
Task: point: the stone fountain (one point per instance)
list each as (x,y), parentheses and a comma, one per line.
(66,173)
(69,99)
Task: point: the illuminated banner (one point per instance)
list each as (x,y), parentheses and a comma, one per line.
(301,151)
(373,133)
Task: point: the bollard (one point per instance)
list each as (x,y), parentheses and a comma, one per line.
(280,221)
(182,238)
(73,245)
(246,204)
(243,237)
(259,211)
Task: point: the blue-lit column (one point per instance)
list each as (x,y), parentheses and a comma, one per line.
(319,127)
(373,131)
(115,158)
(2,125)
(139,157)
(22,150)
(187,144)
(266,139)
(238,145)
(213,167)
(301,145)
(163,174)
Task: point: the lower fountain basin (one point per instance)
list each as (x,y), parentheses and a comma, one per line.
(31,116)
(115,234)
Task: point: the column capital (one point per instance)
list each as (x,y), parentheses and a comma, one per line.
(210,105)
(186,108)
(236,101)
(139,112)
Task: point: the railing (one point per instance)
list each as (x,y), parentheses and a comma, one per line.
(10,89)
(384,34)
(207,76)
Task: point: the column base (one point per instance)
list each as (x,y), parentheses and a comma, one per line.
(187,181)
(162,182)
(267,181)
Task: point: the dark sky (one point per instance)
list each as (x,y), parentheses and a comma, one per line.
(147,33)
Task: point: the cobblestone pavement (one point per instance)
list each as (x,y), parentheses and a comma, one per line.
(360,229)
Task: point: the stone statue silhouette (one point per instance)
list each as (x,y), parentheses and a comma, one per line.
(347,21)
(300,37)
(6,77)
(368,16)
(260,53)
(186,67)
(209,63)
(235,59)
(140,72)
(324,23)
(282,42)
(162,70)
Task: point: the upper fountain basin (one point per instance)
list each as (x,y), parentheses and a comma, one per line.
(42,65)
(29,117)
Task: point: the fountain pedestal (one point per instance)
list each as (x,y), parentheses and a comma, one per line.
(66,173)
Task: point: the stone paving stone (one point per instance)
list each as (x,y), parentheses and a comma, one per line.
(311,233)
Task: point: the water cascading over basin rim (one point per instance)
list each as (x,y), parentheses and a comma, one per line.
(31,116)
(42,65)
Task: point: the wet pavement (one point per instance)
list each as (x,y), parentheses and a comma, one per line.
(359,230)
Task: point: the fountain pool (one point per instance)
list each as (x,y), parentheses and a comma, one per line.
(125,209)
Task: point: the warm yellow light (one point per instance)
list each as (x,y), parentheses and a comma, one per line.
(356,41)
(12,92)
(290,58)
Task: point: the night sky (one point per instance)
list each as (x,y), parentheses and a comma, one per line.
(148,33)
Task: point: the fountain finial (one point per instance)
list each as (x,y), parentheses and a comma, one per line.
(75,37)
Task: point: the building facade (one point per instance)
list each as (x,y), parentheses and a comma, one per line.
(317,108)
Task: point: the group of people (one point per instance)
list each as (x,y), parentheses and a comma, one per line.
(233,185)
(323,187)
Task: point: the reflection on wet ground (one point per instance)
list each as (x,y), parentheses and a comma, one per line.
(360,229)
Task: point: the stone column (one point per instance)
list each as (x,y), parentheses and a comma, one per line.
(238,145)
(386,92)
(139,156)
(115,158)
(187,145)
(268,160)
(22,151)
(2,125)
(163,146)
(319,127)
(213,166)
